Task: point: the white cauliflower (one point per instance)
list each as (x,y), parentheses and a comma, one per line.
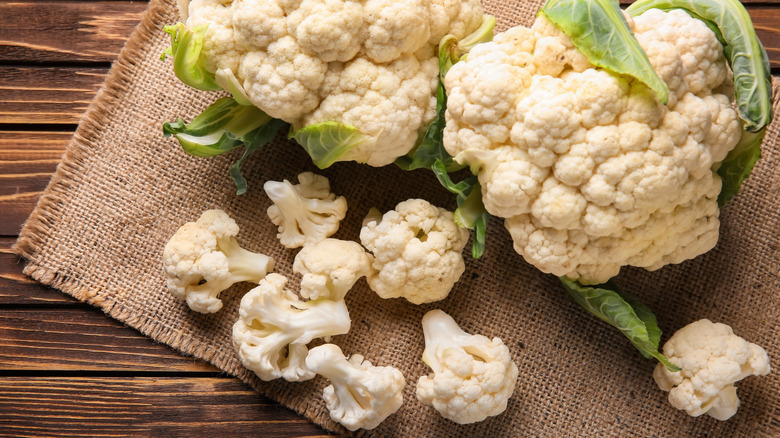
(589,170)
(204,258)
(331,267)
(360,395)
(712,359)
(369,64)
(305,213)
(417,252)
(473,376)
(274,327)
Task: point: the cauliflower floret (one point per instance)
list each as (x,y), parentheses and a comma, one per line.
(360,395)
(305,213)
(274,327)
(589,170)
(330,268)
(283,79)
(712,359)
(331,30)
(473,376)
(371,64)
(417,252)
(364,94)
(203,258)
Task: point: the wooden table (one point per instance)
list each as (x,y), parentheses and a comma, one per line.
(66,368)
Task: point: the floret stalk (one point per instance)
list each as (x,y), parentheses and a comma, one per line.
(344,376)
(440,331)
(244,265)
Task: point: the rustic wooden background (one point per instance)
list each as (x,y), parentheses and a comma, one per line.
(66,368)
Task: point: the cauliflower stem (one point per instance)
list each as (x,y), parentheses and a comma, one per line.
(186,46)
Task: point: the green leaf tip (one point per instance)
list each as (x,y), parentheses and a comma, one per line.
(222,127)
(328,142)
(624,312)
(599,30)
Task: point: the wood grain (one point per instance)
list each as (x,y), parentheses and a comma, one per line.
(47,95)
(65,406)
(27,161)
(17,289)
(66,31)
(81,339)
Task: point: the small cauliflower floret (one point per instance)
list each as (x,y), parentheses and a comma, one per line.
(473,376)
(417,252)
(288,54)
(712,359)
(306,213)
(274,327)
(204,258)
(360,395)
(330,268)
(589,170)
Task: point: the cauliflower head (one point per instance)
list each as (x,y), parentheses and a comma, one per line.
(473,376)
(712,359)
(274,327)
(368,64)
(306,212)
(417,252)
(590,171)
(203,258)
(331,267)
(360,395)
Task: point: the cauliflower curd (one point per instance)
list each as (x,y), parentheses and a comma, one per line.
(590,171)
(370,64)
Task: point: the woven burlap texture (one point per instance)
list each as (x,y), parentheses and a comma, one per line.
(122,190)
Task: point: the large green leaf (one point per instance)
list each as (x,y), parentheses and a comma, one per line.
(624,312)
(327,142)
(600,31)
(222,127)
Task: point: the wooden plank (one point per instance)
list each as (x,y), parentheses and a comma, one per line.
(50,95)
(18,289)
(27,161)
(66,31)
(143,406)
(82,339)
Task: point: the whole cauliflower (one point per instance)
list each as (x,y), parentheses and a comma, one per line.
(712,359)
(306,212)
(417,252)
(360,395)
(473,376)
(369,64)
(590,171)
(203,258)
(274,327)
(331,267)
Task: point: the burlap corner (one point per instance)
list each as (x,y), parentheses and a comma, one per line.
(122,190)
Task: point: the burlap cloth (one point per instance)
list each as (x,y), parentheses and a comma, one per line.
(122,190)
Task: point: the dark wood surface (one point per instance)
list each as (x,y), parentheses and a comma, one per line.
(65,368)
